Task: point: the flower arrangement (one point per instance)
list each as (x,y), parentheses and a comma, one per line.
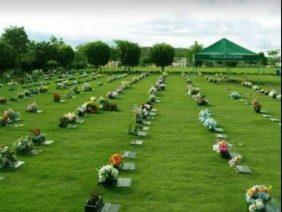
(152,98)
(204,114)
(3,100)
(69,118)
(278,97)
(256,87)
(91,106)
(153,91)
(86,87)
(107,175)
(23,145)
(210,123)
(7,157)
(125,84)
(56,97)
(36,136)
(112,95)
(192,90)
(9,117)
(109,106)
(235,95)
(223,148)
(201,100)
(32,108)
(21,95)
(134,130)
(256,106)
(75,90)
(43,89)
(116,160)
(247,84)
(257,197)
(272,93)
(235,161)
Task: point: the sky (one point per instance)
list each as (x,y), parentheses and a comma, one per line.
(254,24)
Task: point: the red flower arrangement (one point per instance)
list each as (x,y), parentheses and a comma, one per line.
(116,160)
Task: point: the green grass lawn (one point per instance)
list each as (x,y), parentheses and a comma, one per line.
(176,169)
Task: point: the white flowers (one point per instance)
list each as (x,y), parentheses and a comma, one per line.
(86,87)
(210,123)
(112,95)
(71,117)
(272,93)
(153,91)
(235,161)
(32,108)
(257,206)
(235,95)
(204,114)
(255,87)
(107,172)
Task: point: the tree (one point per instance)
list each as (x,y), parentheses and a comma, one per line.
(274,57)
(263,58)
(193,49)
(128,53)
(17,38)
(65,55)
(98,53)
(162,55)
(7,56)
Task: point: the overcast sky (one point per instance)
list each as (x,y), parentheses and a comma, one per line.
(254,24)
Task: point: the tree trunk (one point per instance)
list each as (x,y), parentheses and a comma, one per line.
(163,68)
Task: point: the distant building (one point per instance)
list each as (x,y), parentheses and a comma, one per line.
(112,64)
(180,62)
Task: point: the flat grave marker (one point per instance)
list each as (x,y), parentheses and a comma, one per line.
(137,142)
(147,122)
(141,133)
(128,166)
(110,207)
(124,182)
(47,142)
(220,136)
(219,130)
(18,164)
(129,154)
(242,169)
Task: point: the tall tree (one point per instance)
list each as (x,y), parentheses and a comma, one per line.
(17,38)
(162,55)
(65,55)
(263,58)
(7,56)
(98,53)
(128,53)
(274,57)
(193,49)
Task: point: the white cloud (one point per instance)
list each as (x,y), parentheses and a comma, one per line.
(253,23)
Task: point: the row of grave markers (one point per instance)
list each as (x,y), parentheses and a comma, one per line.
(137,141)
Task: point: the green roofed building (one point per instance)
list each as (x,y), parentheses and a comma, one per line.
(226,50)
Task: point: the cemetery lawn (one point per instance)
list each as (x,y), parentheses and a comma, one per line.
(176,169)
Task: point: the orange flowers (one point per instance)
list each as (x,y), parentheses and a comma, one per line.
(116,159)
(36,132)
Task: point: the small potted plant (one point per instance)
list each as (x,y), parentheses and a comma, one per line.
(94,203)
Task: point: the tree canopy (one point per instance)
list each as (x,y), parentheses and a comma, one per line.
(162,55)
